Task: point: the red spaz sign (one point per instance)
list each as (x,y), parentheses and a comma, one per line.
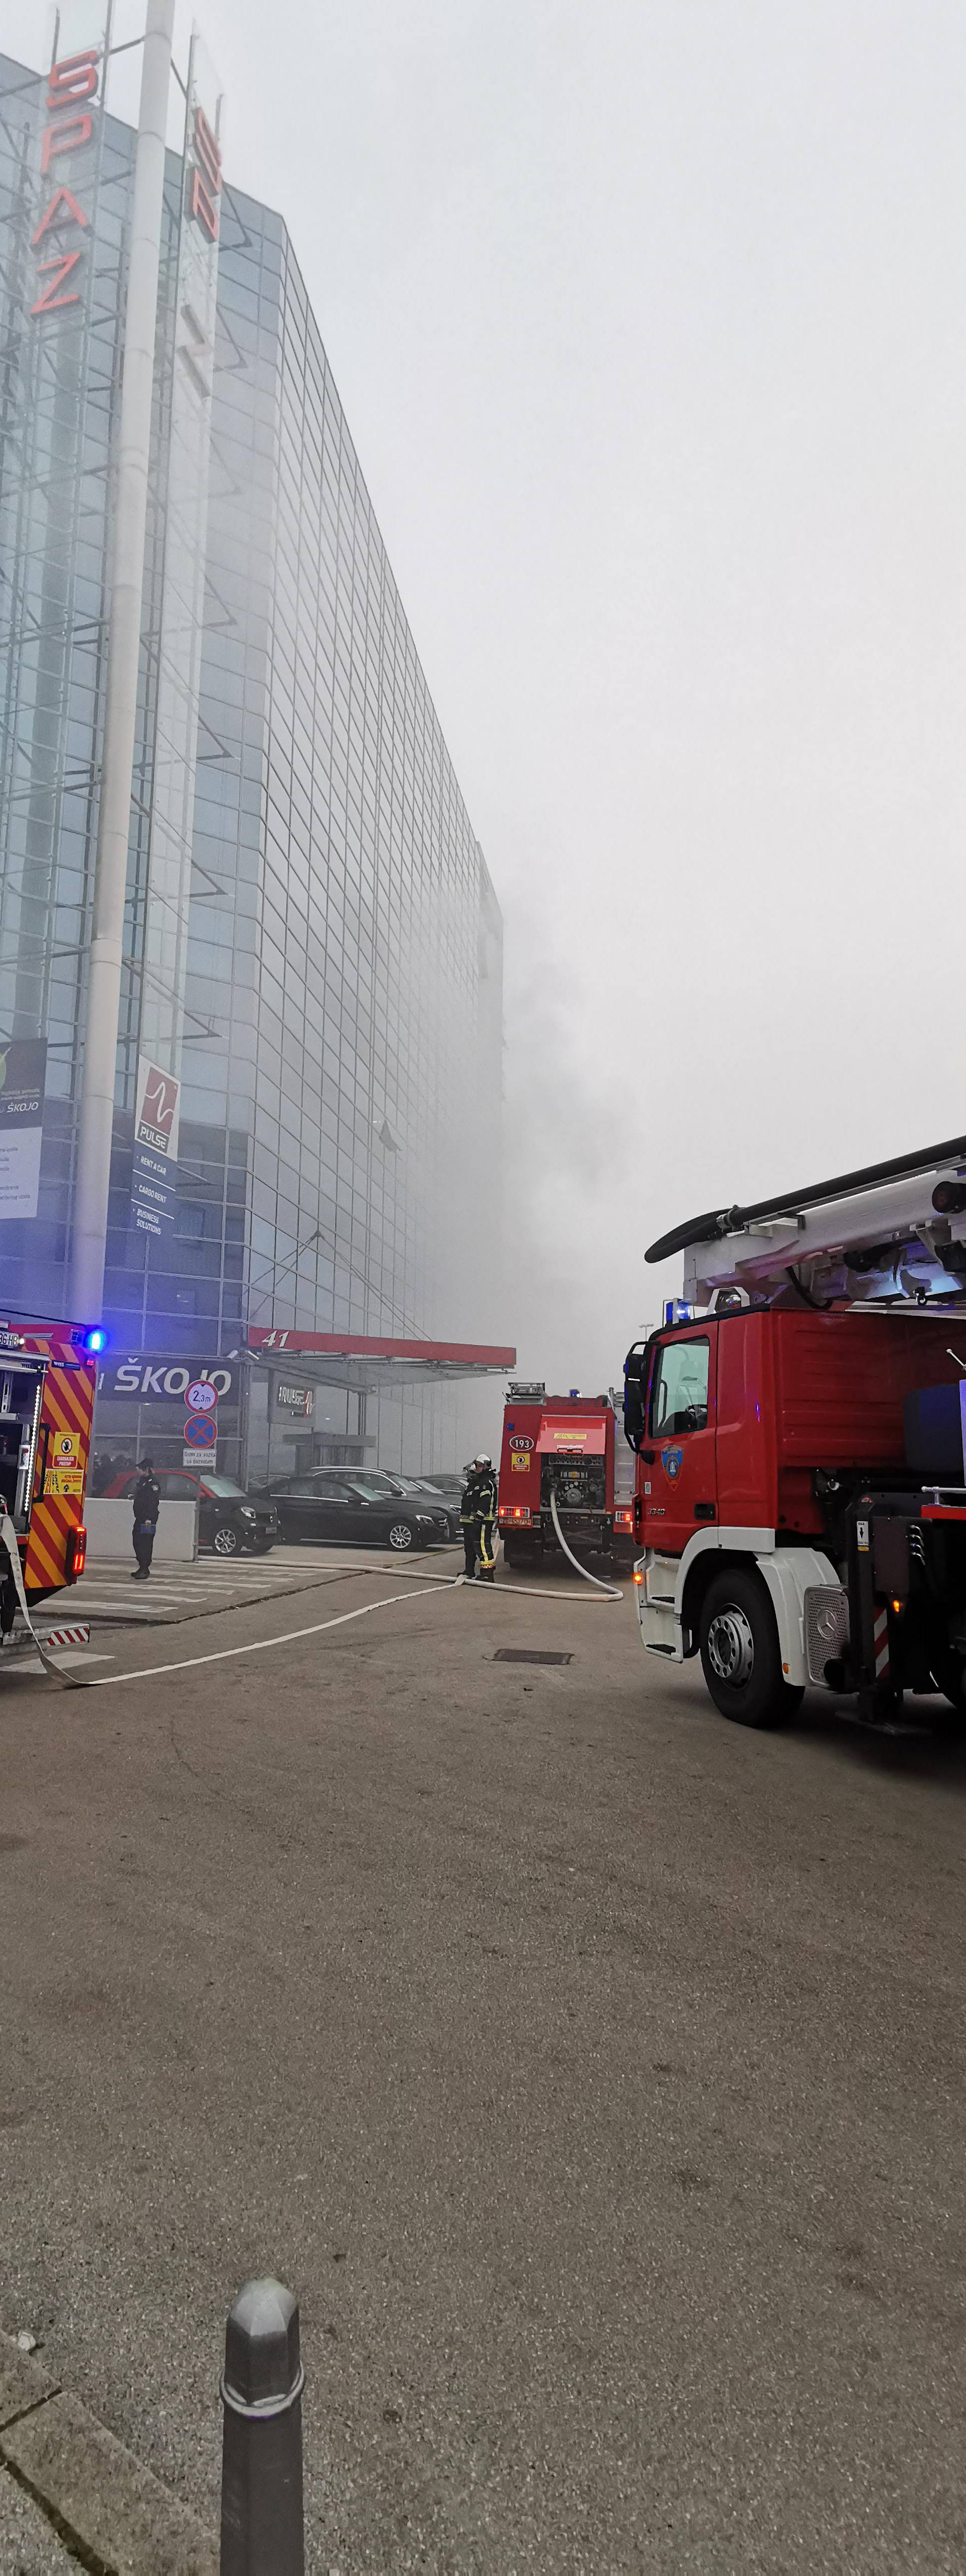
(70,129)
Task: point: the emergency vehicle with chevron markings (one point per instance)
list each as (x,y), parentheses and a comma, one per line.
(800,1438)
(48,1379)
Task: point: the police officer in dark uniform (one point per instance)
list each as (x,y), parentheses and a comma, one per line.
(147,1504)
(478,1519)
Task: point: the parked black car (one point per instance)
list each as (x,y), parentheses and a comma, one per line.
(229,1520)
(335,1503)
(431,1500)
(423,1491)
(450,1489)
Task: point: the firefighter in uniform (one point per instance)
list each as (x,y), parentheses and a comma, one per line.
(478,1518)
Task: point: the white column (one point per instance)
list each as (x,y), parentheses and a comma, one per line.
(96,1107)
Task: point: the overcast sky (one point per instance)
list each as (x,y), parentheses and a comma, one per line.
(649,318)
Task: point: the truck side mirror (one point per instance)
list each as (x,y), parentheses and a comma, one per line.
(636,1372)
(633,1410)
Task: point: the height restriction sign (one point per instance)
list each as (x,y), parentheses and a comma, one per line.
(201,1396)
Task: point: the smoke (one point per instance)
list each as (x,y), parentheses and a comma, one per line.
(574,1228)
(647,325)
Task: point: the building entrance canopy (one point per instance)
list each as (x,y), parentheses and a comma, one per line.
(370,1365)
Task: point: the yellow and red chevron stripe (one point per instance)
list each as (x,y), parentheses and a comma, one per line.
(67,1409)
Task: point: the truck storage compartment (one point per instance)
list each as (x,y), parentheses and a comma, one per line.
(21,1390)
(841,1383)
(842,1380)
(798,1392)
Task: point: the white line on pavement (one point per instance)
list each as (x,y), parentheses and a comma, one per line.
(116,1592)
(87,1600)
(109,1601)
(212,1575)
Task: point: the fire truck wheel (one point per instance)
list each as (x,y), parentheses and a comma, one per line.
(740,1655)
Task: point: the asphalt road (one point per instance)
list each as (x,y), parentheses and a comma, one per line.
(592,2069)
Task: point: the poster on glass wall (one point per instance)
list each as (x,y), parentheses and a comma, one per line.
(23,1068)
(155,1146)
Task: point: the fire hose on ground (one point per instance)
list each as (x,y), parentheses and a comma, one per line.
(441,1583)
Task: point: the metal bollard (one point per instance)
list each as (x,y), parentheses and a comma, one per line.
(262,2526)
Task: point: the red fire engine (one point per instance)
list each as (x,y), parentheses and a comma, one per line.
(800,1495)
(48,1379)
(561,1445)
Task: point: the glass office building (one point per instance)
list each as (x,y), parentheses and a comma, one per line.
(312,939)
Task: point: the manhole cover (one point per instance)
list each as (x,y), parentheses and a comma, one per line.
(528,1655)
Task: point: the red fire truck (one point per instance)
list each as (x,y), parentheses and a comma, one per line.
(800,1498)
(48,1377)
(561,1445)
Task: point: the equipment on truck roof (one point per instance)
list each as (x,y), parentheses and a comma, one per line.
(892,1235)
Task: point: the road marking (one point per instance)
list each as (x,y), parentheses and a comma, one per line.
(259,1578)
(116,1592)
(109,1601)
(261,1645)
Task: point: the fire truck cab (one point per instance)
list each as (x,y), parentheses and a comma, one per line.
(800,1493)
(47,1386)
(559,1445)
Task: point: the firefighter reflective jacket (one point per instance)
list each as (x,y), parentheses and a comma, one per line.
(479,1497)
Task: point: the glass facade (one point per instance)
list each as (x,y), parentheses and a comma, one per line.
(312,926)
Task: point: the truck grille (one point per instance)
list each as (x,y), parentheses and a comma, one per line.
(826,1627)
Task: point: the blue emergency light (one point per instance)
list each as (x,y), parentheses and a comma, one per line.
(96,1339)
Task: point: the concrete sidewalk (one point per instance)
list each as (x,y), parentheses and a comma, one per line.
(72,2495)
(28,2542)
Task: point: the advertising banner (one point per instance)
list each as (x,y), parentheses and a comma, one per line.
(142,1378)
(155,1146)
(294,1399)
(23,1069)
